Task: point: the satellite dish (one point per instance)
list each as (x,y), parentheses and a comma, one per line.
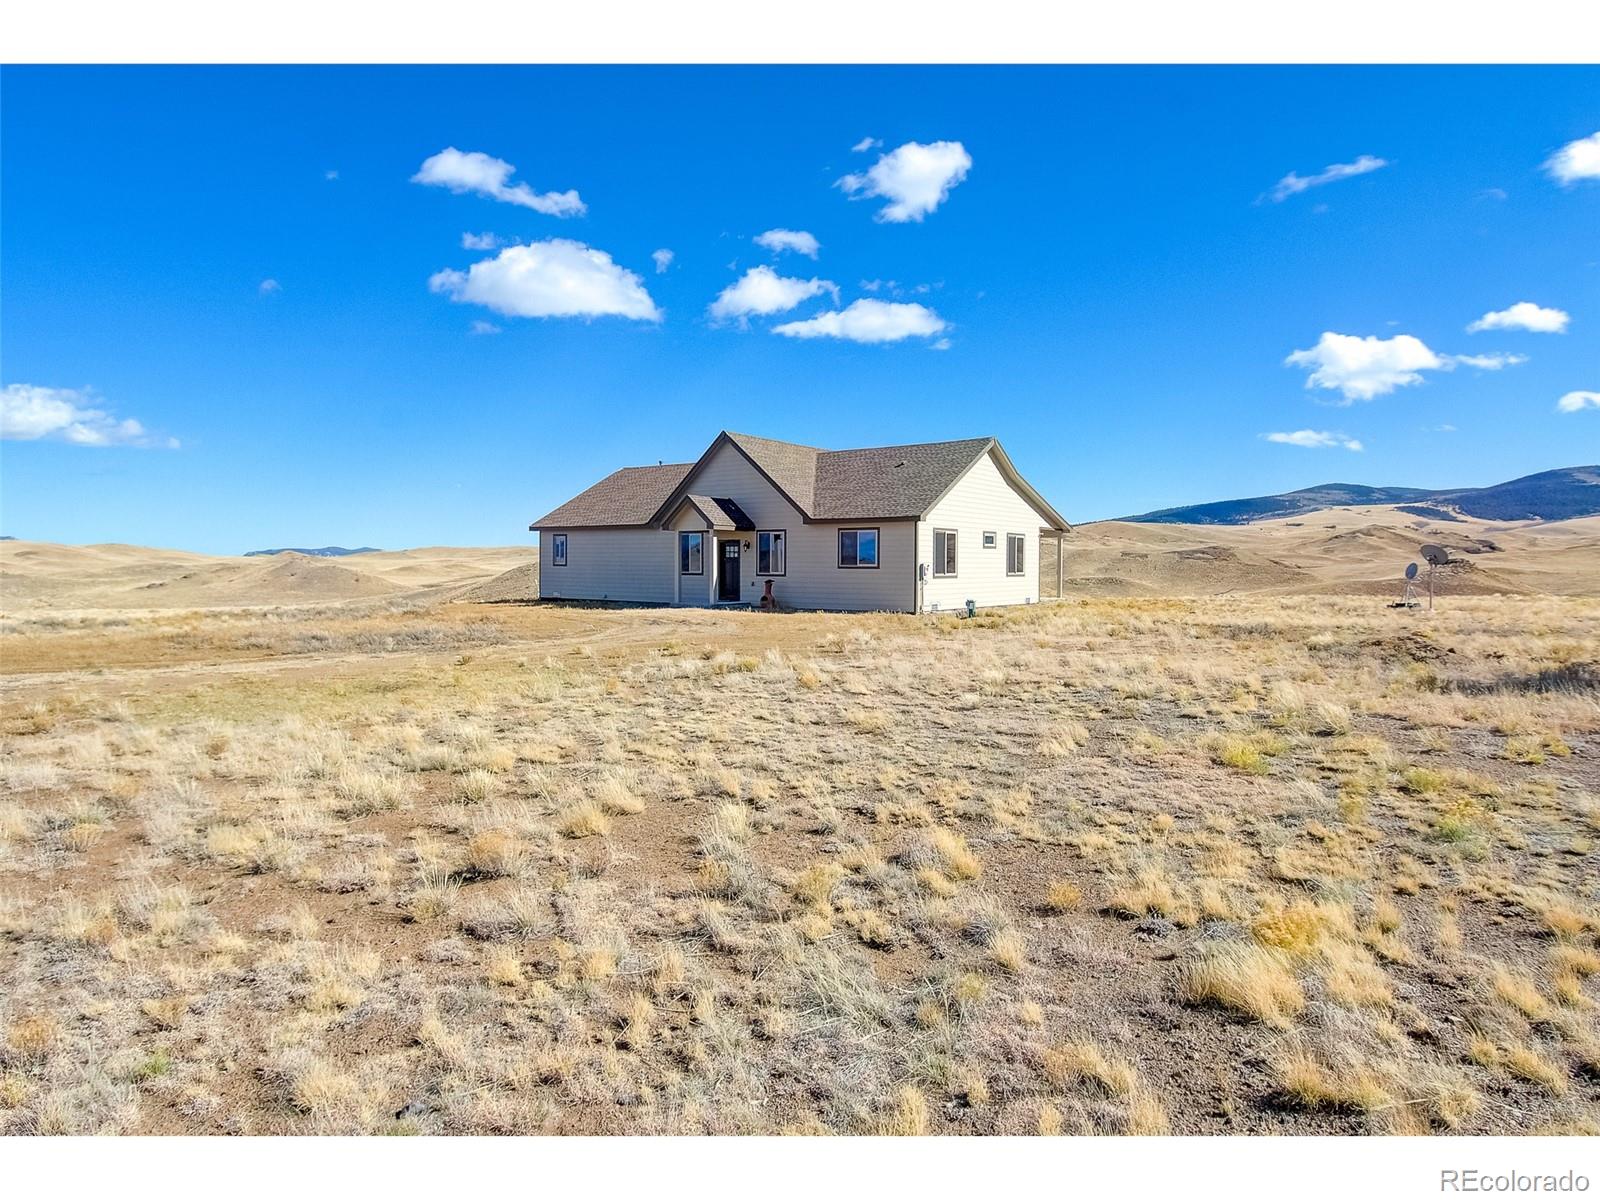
(1437,556)
(1411,570)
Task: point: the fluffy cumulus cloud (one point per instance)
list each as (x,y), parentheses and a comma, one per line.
(1523,315)
(761,291)
(555,278)
(797,240)
(480,241)
(1360,368)
(1576,160)
(914,179)
(1578,401)
(663,259)
(869,321)
(484,175)
(1314,439)
(30,414)
(1292,184)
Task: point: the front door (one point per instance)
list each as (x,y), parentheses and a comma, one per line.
(728,576)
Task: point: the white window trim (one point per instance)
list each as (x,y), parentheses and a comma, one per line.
(991,539)
(683,537)
(939,559)
(1022,554)
(767,533)
(858,565)
(558,557)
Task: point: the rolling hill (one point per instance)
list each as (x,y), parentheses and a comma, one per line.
(1557,495)
(318,552)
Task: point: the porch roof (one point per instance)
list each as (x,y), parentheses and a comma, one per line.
(719,512)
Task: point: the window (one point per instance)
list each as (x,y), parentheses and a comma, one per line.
(989,539)
(770,552)
(1016,546)
(558,550)
(691,551)
(944,551)
(858,547)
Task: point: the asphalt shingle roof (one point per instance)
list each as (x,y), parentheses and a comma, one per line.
(626,497)
(883,482)
(889,481)
(720,512)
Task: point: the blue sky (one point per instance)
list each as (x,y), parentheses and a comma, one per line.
(1107,269)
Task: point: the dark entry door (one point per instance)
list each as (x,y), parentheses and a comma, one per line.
(728,576)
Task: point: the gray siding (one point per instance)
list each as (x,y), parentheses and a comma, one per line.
(813,578)
(610,564)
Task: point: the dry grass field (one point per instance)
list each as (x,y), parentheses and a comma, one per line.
(1296,864)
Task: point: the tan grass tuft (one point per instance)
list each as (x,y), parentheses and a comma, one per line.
(583,820)
(1248,979)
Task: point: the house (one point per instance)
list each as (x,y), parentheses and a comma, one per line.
(903,528)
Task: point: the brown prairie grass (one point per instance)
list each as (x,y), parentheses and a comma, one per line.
(941,876)
(1252,980)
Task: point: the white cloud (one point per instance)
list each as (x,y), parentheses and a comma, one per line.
(330,176)
(473,171)
(480,241)
(865,144)
(1523,315)
(269,287)
(29,414)
(914,178)
(663,260)
(1314,439)
(1488,362)
(1576,160)
(481,328)
(555,278)
(798,240)
(761,291)
(1292,184)
(1575,401)
(1359,368)
(941,344)
(869,321)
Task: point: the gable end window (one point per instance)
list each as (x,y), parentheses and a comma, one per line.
(558,550)
(990,539)
(771,551)
(1016,547)
(691,553)
(944,551)
(858,547)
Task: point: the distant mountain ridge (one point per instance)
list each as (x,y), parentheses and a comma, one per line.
(318,552)
(1547,496)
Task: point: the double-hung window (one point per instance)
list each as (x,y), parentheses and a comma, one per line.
(944,551)
(558,549)
(858,547)
(691,553)
(1016,546)
(771,552)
